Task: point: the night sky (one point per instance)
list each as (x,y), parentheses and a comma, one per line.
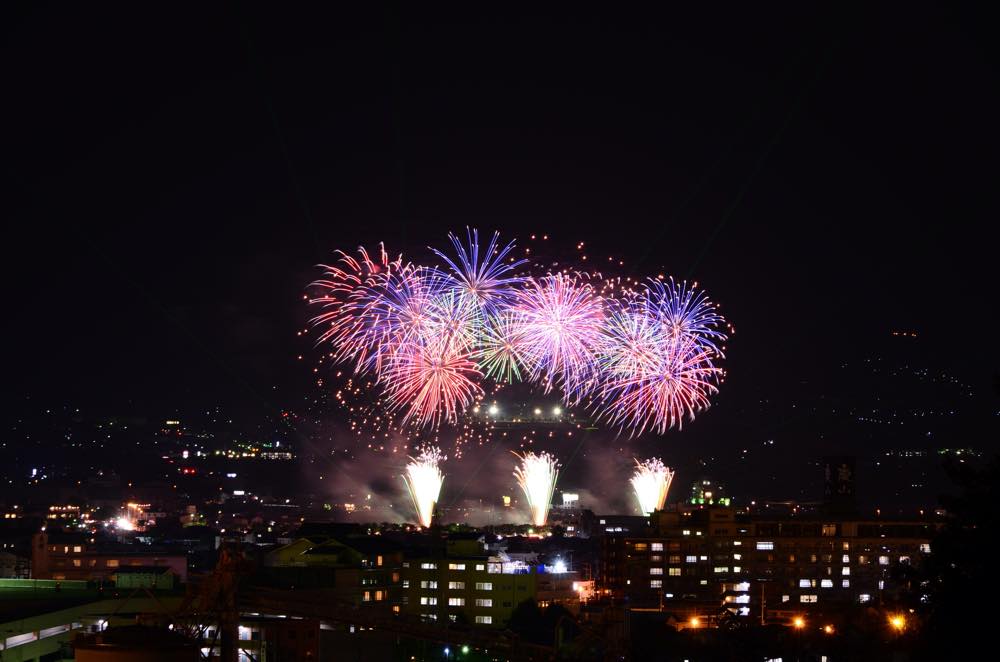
(173,177)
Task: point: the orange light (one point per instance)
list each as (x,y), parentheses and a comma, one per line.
(799,622)
(828,629)
(898,622)
(694,622)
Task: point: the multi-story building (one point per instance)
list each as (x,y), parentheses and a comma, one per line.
(75,556)
(698,560)
(462,583)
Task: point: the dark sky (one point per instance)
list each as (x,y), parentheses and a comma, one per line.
(173,175)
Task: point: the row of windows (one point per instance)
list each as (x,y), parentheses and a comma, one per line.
(451,566)
(454,586)
(453,602)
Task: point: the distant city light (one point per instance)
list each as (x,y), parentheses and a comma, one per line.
(557,411)
(494,410)
(559,567)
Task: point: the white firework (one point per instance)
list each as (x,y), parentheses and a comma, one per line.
(651,482)
(537,476)
(423,479)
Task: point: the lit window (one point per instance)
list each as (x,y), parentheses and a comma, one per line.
(77,549)
(765,545)
(720,569)
(784,598)
(807,583)
(703,557)
(686,532)
(742,586)
(829,529)
(484,602)
(737,542)
(484,620)
(379,596)
(428,566)
(656,547)
(484,586)
(674,572)
(655,583)
(112,563)
(737,557)
(845,559)
(883,560)
(742,599)
(847,546)
(378,560)
(656,571)
(881,584)
(826,583)
(691,559)
(925,548)
(640,547)
(456,586)
(456,602)
(808,598)
(864,597)
(406,583)
(675,558)
(77,562)
(904,559)
(428,600)
(429,584)
(845,571)
(456,566)
(480,567)
(845,583)
(367,597)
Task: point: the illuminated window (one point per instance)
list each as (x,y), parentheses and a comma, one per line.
(742,599)
(829,529)
(378,560)
(807,583)
(720,569)
(484,586)
(456,602)
(845,583)
(395,609)
(784,598)
(428,566)
(686,532)
(77,549)
(845,559)
(883,560)
(656,558)
(737,557)
(77,562)
(864,597)
(379,596)
(640,547)
(925,548)
(456,586)
(765,546)
(429,584)
(808,598)
(480,567)
(656,571)
(428,600)
(406,583)
(112,563)
(742,586)
(395,577)
(737,542)
(456,566)
(674,572)
(691,559)
(904,559)
(847,546)
(675,558)
(656,547)
(484,602)
(655,583)
(367,596)
(845,571)
(484,620)
(826,583)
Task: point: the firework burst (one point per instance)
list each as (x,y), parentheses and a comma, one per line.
(499,354)
(423,478)
(432,381)
(537,474)
(651,482)
(485,280)
(560,321)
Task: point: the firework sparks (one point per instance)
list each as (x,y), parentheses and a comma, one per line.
(537,474)
(560,324)
(485,280)
(651,482)
(423,480)
(500,356)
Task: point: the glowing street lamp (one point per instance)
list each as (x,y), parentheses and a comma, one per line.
(798,622)
(898,622)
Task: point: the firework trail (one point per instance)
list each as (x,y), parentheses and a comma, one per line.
(432,381)
(537,474)
(651,482)
(423,480)
(499,354)
(685,312)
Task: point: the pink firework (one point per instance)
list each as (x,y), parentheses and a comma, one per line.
(661,396)
(349,321)
(431,381)
(560,321)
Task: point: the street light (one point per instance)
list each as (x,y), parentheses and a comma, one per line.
(898,622)
(798,622)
